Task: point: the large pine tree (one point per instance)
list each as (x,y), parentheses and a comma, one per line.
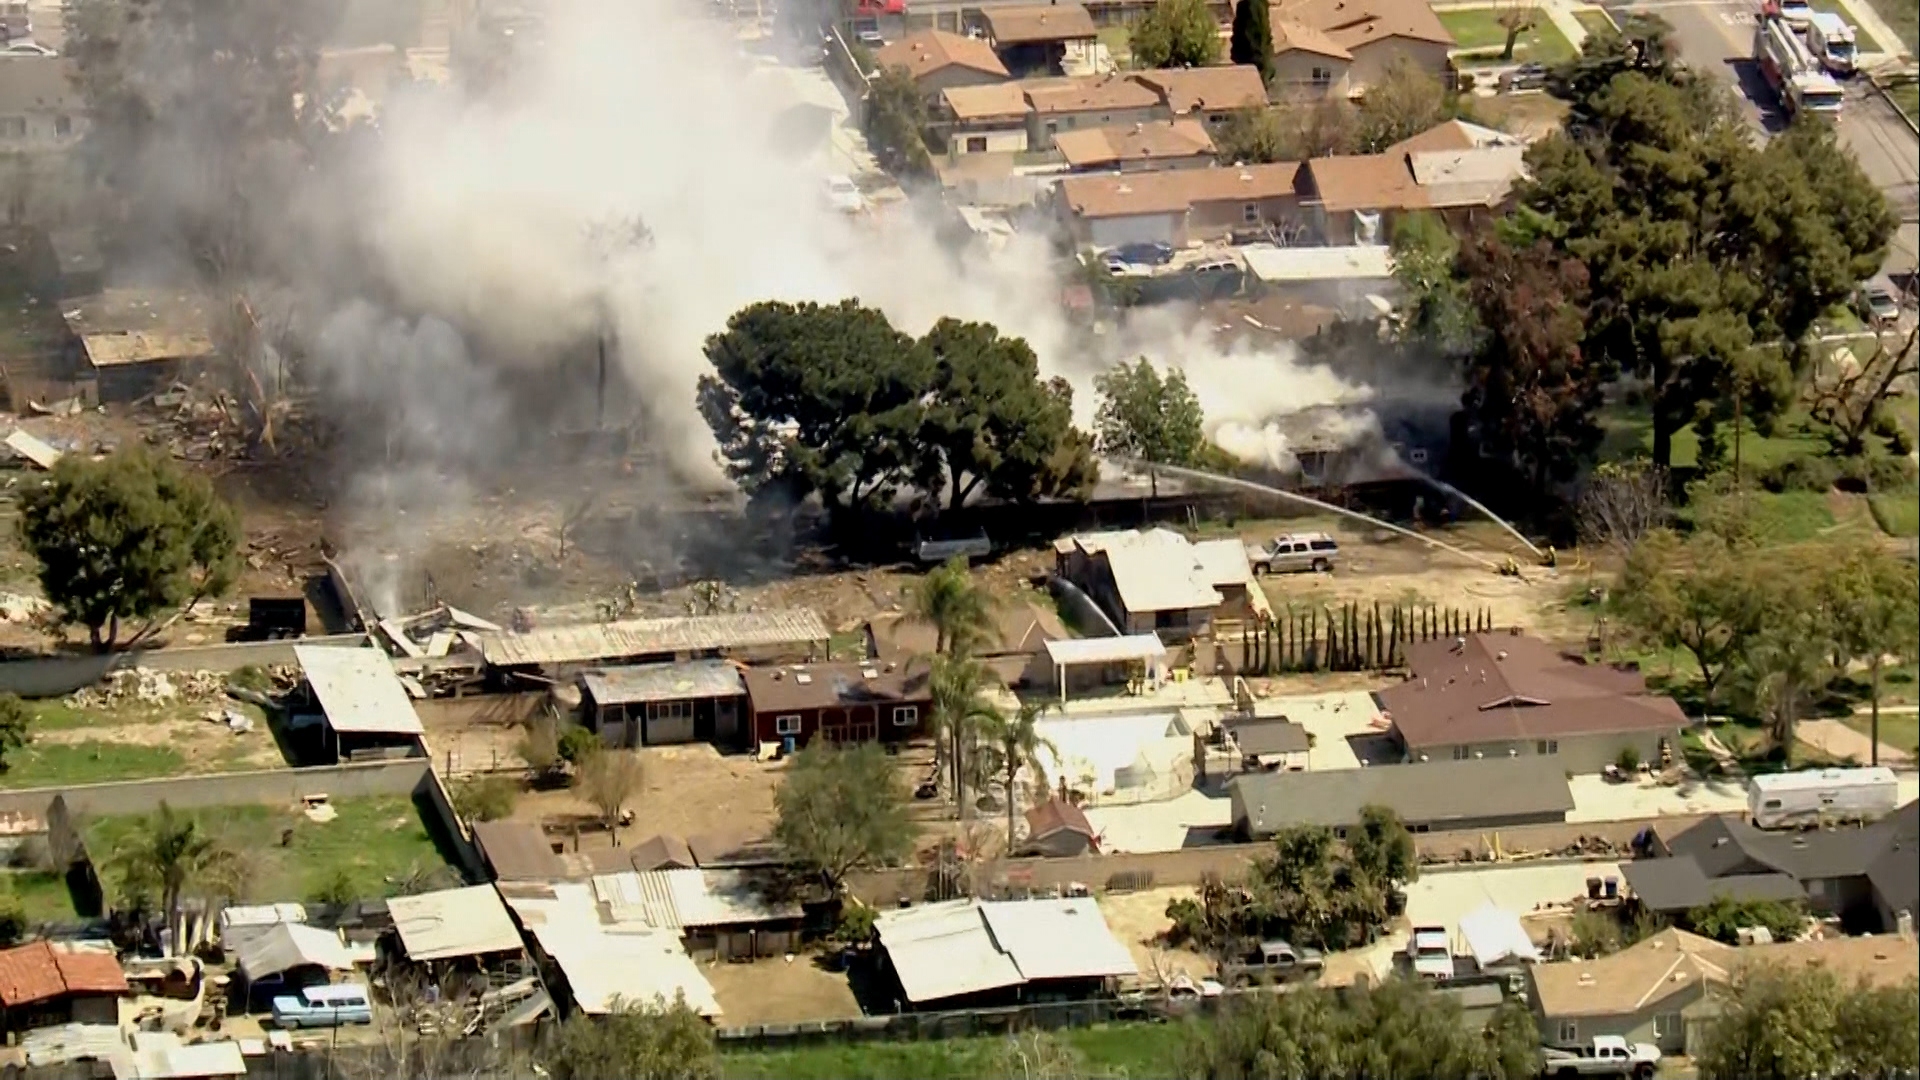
(1253,36)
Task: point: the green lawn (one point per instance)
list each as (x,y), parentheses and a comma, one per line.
(1628,432)
(1136,1050)
(1477,32)
(1792,517)
(1897,515)
(42,893)
(91,762)
(1595,20)
(1906,97)
(1898,729)
(373,846)
(1119,43)
(1866,42)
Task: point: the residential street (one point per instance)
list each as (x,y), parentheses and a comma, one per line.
(1717,36)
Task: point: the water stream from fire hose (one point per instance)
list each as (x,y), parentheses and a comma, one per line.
(1480,506)
(1266,489)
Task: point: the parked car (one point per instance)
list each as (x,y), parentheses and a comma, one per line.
(844,196)
(1877,304)
(1525,77)
(870,38)
(1273,961)
(1142,254)
(329,1005)
(1606,1055)
(1289,552)
(1430,953)
(1796,13)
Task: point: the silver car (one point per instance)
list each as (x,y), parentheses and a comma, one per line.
(1291,552)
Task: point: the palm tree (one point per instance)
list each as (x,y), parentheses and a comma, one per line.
(960,612)
(1019,741)
(171,852)
(958,710)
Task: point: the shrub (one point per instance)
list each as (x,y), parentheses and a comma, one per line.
(1629,759)
(1804,473)
(338,890)
(577,744)
(1878,474)
(13,918)
(252,677)
(856,924)
(486,799)
(1723,918)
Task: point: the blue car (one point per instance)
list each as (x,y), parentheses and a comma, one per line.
(325,1006)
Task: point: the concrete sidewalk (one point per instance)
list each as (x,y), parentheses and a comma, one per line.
(1862,15)
(1835,738)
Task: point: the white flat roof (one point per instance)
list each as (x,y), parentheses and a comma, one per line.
(688,899)
(358,690)
(454,922)
(604,959)
(960,947)
(1282,265)
(1106,650)
(1494,934)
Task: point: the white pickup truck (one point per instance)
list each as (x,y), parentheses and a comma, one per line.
(1606,1055)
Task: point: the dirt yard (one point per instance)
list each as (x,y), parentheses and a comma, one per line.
(1139,919)
(779,990)
(689,790)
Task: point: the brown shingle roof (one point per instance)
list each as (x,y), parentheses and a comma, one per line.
(1366,182)
(1206,89)
(804,687)
(40,972)
(1175,190)
(1055,815)
(1351,24)
(1633,979)
(518,851)
(1881,960)
(1506,686)
(989,102)
(1094,93)
(1449,135)
(1038,23)
(663,852)
(1290,36)
(1158,140)
(926,51)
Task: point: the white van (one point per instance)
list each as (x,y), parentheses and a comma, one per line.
(1794,800)
(1831,42)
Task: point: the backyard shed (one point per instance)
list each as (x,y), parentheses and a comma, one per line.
(656,704)
(453,923)
(363,704)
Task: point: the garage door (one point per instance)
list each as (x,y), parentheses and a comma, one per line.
(669,722)
(1138,229)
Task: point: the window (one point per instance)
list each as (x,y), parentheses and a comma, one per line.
(906,716)
(1250,213)
(1053,128)
(1569,1032)
(670,710)
(786,725)
(13,127)
(1547,746)
(976,144)
(1321,77)
(1817,887)
(1217,118)
(63,126)
(1462,753)
(1667,1025)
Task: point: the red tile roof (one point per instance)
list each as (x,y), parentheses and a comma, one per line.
(1056,815)
(40,972)
(1492,687)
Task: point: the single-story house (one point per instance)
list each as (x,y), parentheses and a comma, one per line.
(1338,48)
(454,924)
(1866,875)
(966,953)
(594,961)
(937,60)
(1061,829)
(1501,695)
(656,704)
(1057,105)
(842,702)
(1148,146)
(990,119)
(1211,95)
(1268,743)
(1157,581)
(1489,794)
(43,984)
(1357,199)
(754,637)
(663,852)
(1037,37)
(1178,206)
(131,342)
(364,708)
(1015,648)
(721,914)
(1660,990)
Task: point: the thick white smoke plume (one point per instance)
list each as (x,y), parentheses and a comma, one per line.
(484,211)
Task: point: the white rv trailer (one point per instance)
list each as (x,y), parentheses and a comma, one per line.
(1792,800)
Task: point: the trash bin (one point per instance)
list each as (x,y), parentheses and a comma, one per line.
(1593,888)
(1613,888)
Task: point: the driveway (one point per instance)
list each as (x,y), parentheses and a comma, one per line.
(1838,740)
(1440,898)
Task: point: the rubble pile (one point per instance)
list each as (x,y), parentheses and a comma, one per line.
(147,687)
(438,632)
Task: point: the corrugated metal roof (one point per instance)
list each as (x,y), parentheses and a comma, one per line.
(1106,650)
(963,946)
(160,1055)
(453,922)
(642,683)
(118,348)
(648,637)
(1058,939)
(689,899)
(603,960)
(284,946)
(358,690)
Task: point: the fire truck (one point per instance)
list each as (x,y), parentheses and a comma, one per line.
(1790,69)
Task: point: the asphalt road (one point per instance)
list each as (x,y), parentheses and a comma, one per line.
(1717,36)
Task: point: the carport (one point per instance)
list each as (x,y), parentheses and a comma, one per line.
(1141,656)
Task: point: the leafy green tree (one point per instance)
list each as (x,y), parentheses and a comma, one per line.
(16,720)
(1872,597)
(488,798)
(959,710)
(1439,312)
(1294,132)
(1382,847)
(1707,594)
(578,745)
(896,119)
(634,1042)
(959,610)
(841,809)
(1406,100)
(1018,741)
(170,854)
(1881,1033)
(128,537)
(991,422)
(1790,660)
(1791,1021)
(809,397)
(1176,33)
(1253,37)
(1532,394)
(13,918)
(1149,416)
(1723,917)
